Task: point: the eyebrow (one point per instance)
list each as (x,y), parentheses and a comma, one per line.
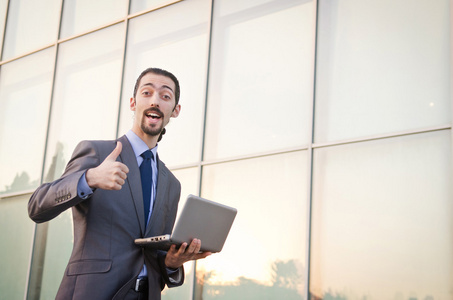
(152,85)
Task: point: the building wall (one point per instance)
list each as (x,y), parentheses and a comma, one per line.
(326,123)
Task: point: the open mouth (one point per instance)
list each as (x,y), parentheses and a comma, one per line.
(153,114)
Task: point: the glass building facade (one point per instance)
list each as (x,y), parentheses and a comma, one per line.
(326,123)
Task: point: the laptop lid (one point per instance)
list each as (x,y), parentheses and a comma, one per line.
(200,218)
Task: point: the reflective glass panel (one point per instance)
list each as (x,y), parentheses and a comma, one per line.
(60,238)
(382,214)
(31,24)
(16,236)
(264,256)
(83,15)
(86,95)
(3,11)
(140,5)
(178,42)
(382,66)
(261,77)
(189,179)
(24,110)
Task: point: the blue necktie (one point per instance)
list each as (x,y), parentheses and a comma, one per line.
(147,180)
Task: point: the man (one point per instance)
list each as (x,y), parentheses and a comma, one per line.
(103,184)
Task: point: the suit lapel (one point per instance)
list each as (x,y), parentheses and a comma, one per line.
(159,201)
(133,180)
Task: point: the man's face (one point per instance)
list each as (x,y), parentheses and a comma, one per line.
(154,104)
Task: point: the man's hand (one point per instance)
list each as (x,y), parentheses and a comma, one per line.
(176,258)
(110,174)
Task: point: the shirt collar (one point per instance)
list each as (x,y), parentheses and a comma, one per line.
(138,145)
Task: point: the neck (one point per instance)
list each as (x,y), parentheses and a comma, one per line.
(150,141)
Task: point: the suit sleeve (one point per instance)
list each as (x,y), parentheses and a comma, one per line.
(51,199)
(171,278)
(174,279)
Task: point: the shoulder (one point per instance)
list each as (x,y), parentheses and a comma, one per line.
(96,143)
(101,148)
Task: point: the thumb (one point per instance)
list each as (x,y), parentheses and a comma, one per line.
(115,153)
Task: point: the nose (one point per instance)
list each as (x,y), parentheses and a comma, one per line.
(154,100)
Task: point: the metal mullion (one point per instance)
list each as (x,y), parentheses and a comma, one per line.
(144,12)
(309,147)
(205,108)
(27,54)
(120,102)
(310,159)
(451,105)
(41,231)
(4,32)
(203,133)
(59,41)
(256,155)
(451,82)
(16,194)
(382,136)
(90,31)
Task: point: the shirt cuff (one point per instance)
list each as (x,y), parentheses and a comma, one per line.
(174,275)
(83,189)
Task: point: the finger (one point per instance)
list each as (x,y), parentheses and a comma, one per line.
(115,186)
(197,247)
(121,174)
(120,181)
(120,169)
(202,255)
(182,248)
(124,168)
(172,248)
(115,153)
(194,245)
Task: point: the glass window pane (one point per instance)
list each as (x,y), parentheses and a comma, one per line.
(31,24)
(252,263)
(189,179)
(16,236)
(60,238)
(261,77)
(383,66)
(86,95)
(382,214)
(3,6)
(140,5)
(177,42)
(83,15)
(24,110)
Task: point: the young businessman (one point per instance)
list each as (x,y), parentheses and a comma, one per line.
(119,193)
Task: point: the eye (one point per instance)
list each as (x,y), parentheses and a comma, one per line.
(166,96)
(146,93)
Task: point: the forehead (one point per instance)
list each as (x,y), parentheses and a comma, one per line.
(157,81)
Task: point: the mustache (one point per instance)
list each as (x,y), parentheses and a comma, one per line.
(155,110)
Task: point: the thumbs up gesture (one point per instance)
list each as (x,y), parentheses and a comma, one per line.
(110,174)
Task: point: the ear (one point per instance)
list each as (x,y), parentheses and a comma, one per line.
(132,104)
(176,111)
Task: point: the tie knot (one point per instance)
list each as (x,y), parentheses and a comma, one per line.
(147,154)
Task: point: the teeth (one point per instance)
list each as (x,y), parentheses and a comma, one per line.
(153,115)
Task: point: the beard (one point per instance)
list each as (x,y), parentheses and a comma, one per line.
(154,130)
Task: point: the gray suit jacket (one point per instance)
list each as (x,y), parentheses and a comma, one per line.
(105,261)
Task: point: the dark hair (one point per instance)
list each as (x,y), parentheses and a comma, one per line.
(158,71)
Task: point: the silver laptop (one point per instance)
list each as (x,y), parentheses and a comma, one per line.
(200,218)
